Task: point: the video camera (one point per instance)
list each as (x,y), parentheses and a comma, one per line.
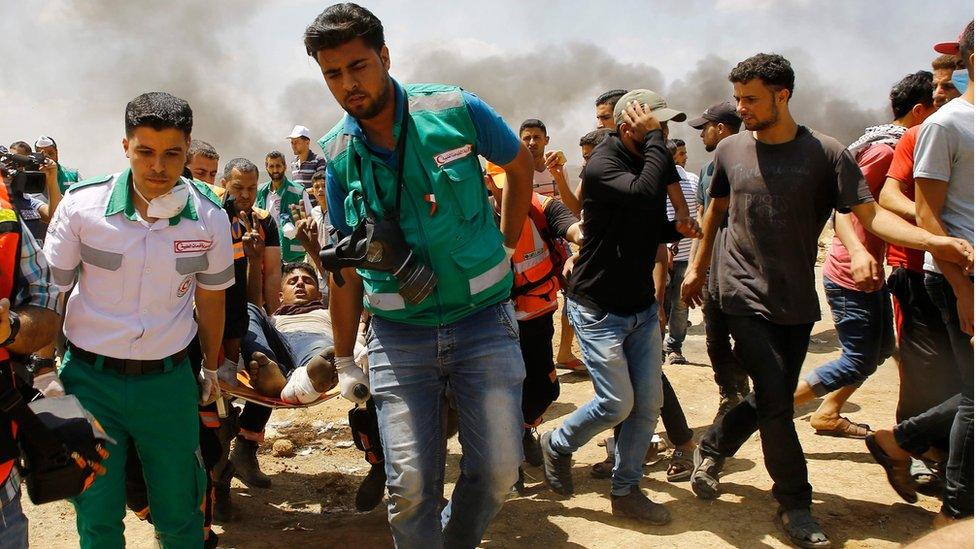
(24,173)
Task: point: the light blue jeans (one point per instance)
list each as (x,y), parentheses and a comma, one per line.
(623,357)
(410,368)
(13,522)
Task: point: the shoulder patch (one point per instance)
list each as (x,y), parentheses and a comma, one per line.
(206,191)
(90,181)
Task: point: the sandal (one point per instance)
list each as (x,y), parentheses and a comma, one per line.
(802,528)
(846,428)
(574,365)
(681,466)
(898,472)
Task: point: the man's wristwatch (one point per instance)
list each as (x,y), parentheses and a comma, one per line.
(14,328)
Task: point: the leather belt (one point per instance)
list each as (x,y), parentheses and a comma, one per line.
(127,366)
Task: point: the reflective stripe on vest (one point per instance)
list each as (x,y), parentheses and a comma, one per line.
(490,277)
(533,262)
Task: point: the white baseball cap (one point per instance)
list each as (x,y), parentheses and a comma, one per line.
(300,131)
(44,141)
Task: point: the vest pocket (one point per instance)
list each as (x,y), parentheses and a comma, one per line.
(463,183)
(481,261)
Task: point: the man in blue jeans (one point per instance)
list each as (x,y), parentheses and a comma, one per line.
(624,221)
(436,274)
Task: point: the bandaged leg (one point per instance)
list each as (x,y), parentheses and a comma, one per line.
(299,389)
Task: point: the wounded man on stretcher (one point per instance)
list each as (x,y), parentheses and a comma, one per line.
(289,355)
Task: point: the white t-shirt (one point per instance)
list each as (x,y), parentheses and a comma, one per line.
(308,334)
(544,183)
(944,151)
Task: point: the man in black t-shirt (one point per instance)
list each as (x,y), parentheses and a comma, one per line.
(778,183)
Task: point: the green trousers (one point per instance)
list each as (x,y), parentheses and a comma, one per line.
(158,412)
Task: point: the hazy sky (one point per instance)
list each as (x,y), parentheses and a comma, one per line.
(242,66)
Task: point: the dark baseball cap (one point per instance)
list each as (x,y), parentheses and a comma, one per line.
(719,112)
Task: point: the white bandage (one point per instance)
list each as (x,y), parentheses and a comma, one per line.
(299,389)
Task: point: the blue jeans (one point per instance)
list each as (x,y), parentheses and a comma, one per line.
(866,332)
(410,367)
(623,357)
(13,522)
(676,310)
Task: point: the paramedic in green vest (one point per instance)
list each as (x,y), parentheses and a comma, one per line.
(66,176)
(464,334)
(277,196)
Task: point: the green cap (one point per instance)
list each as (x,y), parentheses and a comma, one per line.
(659,107)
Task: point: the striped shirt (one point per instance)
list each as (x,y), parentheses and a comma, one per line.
(37,290)
(301,172)
(689,188)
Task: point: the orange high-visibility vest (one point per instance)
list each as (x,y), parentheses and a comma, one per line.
(9,275)
(536,264)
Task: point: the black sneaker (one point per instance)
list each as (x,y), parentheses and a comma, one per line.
(704,479)
(558,468)
(371,489)
(531,448)
(636,505)
(224,510)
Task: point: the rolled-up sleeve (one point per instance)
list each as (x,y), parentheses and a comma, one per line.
(62,247)
(220,258)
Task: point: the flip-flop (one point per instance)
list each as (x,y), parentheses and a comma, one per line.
(846,428)
(899,474)
(575,365)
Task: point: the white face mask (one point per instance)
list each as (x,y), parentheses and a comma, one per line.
(166,205)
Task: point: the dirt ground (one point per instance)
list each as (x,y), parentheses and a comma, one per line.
(311,502)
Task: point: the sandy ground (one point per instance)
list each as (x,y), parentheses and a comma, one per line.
(311,502)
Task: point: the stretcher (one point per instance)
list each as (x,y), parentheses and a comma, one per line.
(245,391)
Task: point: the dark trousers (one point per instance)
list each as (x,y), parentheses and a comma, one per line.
(957,500)
(923,347)
(729,376)
(541,386)
(929,428)
(772,354)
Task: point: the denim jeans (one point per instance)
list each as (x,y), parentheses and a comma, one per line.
(623,357)
(411,367)
(866,333)
(677,311)
(957,500)
(773,355)
(13,522)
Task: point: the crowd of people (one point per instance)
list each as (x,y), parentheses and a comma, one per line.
(418,262)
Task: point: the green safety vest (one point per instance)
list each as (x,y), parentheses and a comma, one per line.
(458,239)
(66,176)
(291,195)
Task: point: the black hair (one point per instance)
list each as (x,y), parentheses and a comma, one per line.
(595,137)
(299,266)
(773,69)
(159,111)
(966,47)
(910,91)
(202,148)
(533,123)
(343,23)
(277,155)
(24,147)
(610,97)
(673,144)
(318,174)
(242,165)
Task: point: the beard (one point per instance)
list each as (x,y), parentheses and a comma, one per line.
(369,109)
(758,125)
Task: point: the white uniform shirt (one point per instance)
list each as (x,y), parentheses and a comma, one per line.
(134,297)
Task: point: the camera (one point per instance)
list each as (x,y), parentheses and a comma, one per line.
(24,173)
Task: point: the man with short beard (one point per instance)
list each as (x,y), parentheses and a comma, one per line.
(942,68)
(277,196)
(778,183)
(404,160)
(716,123)
(201,160)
